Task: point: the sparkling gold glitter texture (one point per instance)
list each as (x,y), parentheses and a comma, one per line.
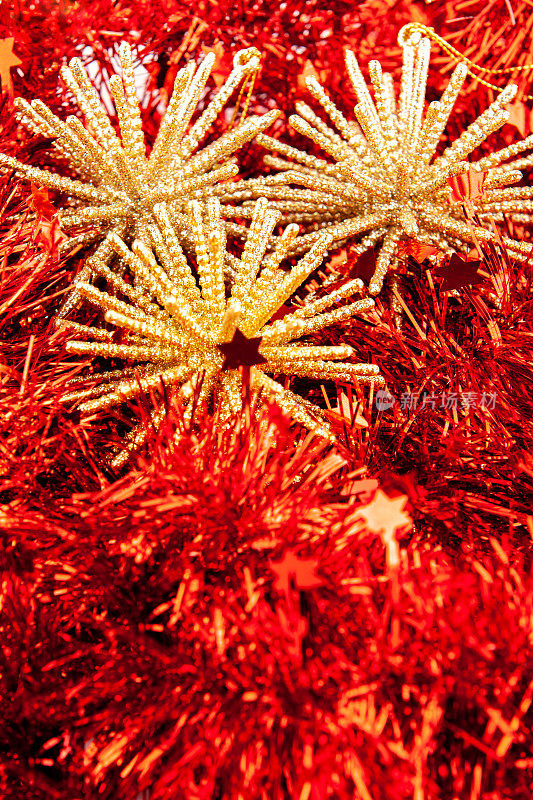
(385,184)
(119,184)
(173,317)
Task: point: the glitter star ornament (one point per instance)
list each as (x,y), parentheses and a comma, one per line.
(181,327)
(118,184)
(384,184)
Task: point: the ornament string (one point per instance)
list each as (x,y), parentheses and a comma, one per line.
(417,28)
(248,87)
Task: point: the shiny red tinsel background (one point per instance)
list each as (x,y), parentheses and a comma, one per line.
(259,614)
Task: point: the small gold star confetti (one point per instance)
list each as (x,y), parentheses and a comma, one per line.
(385,184)
(180,326)
(119,184)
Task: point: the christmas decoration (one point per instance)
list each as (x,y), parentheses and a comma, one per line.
(119,185)
(197,338)
(250,610)
(496,36)
(382,185)
(221,623)
(458,273)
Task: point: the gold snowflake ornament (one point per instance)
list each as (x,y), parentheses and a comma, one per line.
(181,327)
(384,183)
(118,184)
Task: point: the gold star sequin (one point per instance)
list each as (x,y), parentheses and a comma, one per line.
(381,181)
(175,319)
(118,184)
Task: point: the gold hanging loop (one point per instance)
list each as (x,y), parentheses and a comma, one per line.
(242,58)
(413,32)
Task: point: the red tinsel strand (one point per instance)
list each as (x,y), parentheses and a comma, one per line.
(189,664)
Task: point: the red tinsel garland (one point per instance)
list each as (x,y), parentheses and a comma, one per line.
(224,623)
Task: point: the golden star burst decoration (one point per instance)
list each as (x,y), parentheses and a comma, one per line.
(119,184)
(385,184)
(180,327)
